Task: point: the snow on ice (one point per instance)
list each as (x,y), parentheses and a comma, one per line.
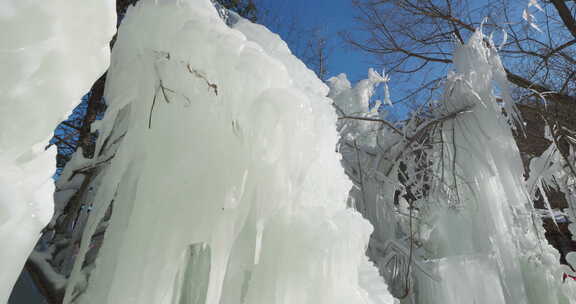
(50,53)
(226,187)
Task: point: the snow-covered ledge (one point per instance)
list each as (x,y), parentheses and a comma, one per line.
(51,53)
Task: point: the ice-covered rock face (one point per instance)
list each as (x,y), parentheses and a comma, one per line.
(50,54)
(226,187)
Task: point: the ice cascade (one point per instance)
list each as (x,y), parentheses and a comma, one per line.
(487,243)
(454,222)
(226,187)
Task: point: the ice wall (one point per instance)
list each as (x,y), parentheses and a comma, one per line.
(50,53)
(226,187)
(453,219)
(488,244)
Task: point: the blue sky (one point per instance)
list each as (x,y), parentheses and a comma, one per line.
(333,16)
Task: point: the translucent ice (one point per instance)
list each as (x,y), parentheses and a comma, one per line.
(226,187)
(50,54)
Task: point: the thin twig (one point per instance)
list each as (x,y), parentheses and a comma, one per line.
(210,85)
(90,167)
(361,176)
(152,109)
(411,252)
(382,121)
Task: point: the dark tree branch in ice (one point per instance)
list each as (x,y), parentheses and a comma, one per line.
(210,85)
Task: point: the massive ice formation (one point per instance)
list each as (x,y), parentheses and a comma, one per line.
(226,187)
(488,246)
(50,53)
(472,235)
